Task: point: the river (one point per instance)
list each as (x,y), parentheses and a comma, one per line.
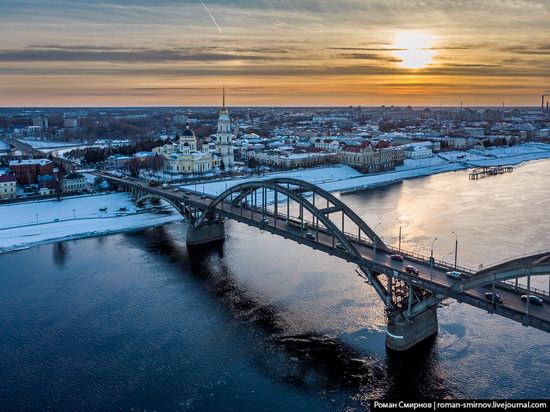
(261,323)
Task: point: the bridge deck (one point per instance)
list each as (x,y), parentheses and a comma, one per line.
(377,260)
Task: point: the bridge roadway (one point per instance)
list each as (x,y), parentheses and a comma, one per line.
(435,280)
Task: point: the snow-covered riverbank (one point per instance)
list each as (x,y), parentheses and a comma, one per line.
(27,224)
(344,178)
(33,223)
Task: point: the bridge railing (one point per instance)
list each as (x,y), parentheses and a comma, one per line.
(364,240)
(523,288)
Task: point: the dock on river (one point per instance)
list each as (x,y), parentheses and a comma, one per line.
(482,172)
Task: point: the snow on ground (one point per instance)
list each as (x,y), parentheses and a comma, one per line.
(502,156)
(367,181)
(499,156)
(344,178)
(317,176)
(47,144)
(74,218)
(421,163)
(340,178)
(90,178)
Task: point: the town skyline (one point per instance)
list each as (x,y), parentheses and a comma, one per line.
(293,54)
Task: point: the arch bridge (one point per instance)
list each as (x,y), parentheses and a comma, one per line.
(309,215)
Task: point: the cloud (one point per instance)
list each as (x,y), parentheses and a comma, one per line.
(370,56)
(113,54)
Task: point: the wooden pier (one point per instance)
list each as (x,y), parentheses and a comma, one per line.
(482,172)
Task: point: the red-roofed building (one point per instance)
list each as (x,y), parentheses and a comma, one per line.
(27,171)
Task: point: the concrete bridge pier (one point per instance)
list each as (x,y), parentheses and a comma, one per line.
(208,231)
(403,333)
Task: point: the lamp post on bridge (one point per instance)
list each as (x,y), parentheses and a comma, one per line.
(375,237)
(398,221)
(447,256)
(432,260)
(456,247)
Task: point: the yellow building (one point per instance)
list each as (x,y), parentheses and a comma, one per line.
(184,157)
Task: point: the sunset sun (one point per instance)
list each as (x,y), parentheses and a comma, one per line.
(413,49)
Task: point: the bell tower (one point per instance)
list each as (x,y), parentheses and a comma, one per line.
(224,138)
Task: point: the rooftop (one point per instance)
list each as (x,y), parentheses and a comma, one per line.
(7,178)
(41,162)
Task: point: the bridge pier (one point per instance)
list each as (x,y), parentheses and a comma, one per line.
(209,231)
(403,333)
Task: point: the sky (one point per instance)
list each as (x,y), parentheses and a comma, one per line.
(274,52)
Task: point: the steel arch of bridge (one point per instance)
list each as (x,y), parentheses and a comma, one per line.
(184,211)
(535,265)
(296,190)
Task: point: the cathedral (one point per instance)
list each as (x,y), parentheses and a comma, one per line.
(183,156)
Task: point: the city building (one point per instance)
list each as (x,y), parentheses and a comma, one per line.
(418,151)
(224,137)
(70,123)
(73,182)
(27,171)
(293,159)
(7,187)
(180,119)
(369,159)
(329,145)
(118,161)
(40,122)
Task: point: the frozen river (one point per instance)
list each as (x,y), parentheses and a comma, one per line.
(260,323)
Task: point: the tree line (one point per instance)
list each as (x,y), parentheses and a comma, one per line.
(93,155)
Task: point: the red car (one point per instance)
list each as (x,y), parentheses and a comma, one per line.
(397,257)
(411,269)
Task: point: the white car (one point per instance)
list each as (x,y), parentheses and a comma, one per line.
(454,274)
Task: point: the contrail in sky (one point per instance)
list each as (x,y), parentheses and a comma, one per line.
(212,17)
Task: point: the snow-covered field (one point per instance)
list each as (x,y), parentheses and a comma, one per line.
(33,223)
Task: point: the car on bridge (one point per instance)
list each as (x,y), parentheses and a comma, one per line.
(412,270)
(537,300)
(489,296)
(310,236)
(264,220)
(397,257)
(340,245)
(454,274)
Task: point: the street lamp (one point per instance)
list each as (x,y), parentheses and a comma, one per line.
(456,246)
(375,237)
(74,213)
(398,221)
(432,260)
(36,214)
(447,256)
